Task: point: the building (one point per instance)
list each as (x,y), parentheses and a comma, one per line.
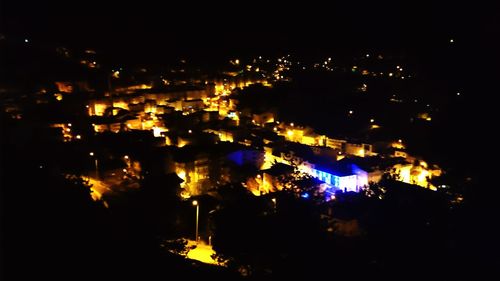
(343,176)
(262,118)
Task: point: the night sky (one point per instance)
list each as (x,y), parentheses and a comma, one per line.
(147,29)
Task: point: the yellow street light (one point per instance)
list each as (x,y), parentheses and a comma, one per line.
(96,165)
(195,203)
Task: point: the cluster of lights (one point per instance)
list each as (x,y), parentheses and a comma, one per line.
(283,65)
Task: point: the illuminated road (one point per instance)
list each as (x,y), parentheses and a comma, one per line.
(202,252)
(99,188)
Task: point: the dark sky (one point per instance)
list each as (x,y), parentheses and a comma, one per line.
(147,28)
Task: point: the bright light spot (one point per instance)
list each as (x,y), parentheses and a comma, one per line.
(26,40)
(157,132)
(397,66)
(289,133)
(69,124)
(305,195)
(182,175)
(126,157)
(458,94)
(195,203)
(78,137)
(372,120)
(329,59)
(190,131)
(351,112)
(367,55)
(451,40)
(91,153)
(390,74)
(400,140)
(291,124)
(68,130)
(124,170)
(41,167)
(202,253)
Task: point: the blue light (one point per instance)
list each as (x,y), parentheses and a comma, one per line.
(236,157)
(305,195)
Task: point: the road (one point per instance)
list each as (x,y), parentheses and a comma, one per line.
(99,188)
(202,252)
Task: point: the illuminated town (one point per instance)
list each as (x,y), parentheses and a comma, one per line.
(260,164)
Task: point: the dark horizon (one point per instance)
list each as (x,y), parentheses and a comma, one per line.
(154,31)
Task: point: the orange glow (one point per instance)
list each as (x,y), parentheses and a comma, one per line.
(424,116)
(99,109)
(120,104)
(98,188)
(64,87)
(398,145)
(417,175)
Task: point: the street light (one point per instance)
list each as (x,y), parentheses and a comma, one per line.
(96,165)
(127,160)
(195,203)
(113,74)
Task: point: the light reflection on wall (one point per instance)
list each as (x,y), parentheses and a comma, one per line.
(99,109)
(158,131)
(120,104)
(418,175)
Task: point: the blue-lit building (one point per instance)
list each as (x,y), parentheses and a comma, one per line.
(246,156)
(344,176)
